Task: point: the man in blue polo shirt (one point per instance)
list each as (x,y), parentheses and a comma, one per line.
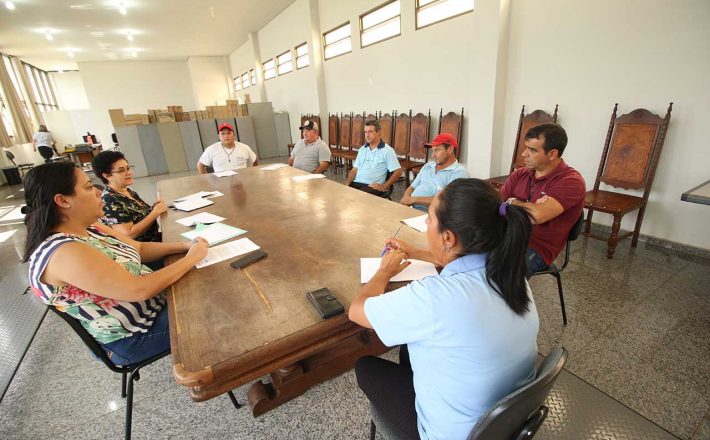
(435,175)
(374,160)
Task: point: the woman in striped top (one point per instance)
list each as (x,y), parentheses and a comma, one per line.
(94,273)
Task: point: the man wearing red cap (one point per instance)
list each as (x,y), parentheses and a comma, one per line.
(226,154)
(435,175)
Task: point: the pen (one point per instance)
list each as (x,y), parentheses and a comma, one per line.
(387,246)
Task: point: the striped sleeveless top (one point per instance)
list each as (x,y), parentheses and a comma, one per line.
(106,319)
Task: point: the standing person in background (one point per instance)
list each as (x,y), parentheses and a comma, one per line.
(42,141)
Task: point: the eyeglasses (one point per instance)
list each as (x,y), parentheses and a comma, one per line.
(122,170)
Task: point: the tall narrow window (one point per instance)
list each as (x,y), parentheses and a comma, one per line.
(245,80)
(337,41)
(252,74)
(269,69)
(285,63)
(302,56)
(380,24)
(434,11)
(237,84)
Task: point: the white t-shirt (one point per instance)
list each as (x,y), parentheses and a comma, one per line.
(43,139)
(224,159)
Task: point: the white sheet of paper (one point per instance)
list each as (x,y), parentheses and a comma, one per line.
(214,194)
(199,195)
(193,203)
(225,173)
(203,217)
(215,233)
(415,271)
(275,166)
(227,251)
(307,177)
(418,222)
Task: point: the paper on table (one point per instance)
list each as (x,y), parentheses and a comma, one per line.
(215,233)
(203,217)
(418,222)
(225,173)
(201,194)
(226,251)
(307,177)
(275,166)
(192,203)
(415,271)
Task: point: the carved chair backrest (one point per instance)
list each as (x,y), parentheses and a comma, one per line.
(333,130)
(452,123)
(418,136)
(345,130)
(358,136)
(526,122)
(386,123)
(401,134)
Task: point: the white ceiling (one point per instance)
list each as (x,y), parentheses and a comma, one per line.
(164,29)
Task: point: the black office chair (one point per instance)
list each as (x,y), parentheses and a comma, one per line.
(516,416)
(553,270)
(23,166)
(129,373)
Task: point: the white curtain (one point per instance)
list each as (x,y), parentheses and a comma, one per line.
(22,124)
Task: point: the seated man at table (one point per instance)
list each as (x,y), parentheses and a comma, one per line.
(226,154)
(310,154)
(374,160)
(550,190)
(435,175)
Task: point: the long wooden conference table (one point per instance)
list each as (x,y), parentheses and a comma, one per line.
(229,327)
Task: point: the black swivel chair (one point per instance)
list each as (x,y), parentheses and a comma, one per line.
(516,416)
(23,166)
(553,270)
(129,373)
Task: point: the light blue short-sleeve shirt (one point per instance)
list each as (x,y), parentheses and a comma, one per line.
(467,348)
(429,181)
(373,165)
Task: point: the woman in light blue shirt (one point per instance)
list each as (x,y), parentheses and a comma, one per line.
(471,332)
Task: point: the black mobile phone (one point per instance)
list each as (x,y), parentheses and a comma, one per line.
(325,302)
(248,259)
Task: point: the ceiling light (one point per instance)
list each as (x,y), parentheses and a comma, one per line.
(70,52)
(9,5)
(122,8)
(129,36)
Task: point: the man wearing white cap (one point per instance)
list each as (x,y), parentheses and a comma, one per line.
(226,154)
(310,154)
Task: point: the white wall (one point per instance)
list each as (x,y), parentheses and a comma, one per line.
(69,89)
(585,56)
(136,86)
(241,61)
(211,83)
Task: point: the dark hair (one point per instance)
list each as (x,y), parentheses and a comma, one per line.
(554,135)
(469,208)
(373,123)
(103,162)
(41,184)
(43,128)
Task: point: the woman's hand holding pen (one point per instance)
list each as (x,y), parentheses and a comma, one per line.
(393,262)
(400,245)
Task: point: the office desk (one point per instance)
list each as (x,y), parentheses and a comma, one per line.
(229,327)
(699,194)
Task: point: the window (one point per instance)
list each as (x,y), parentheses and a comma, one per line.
(434,11)
(41,90)
(302,56)
(284,62)
(237,84)
(245,80)
(337,41)
(252,74)
(380,23)
(15,83)
(269,69)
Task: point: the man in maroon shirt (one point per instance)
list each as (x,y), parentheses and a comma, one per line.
(550,190)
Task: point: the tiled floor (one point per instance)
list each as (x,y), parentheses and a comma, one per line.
(639,330)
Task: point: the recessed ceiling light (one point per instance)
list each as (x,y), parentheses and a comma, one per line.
(9,5)
(98,34)
(71,54)
(122,8)
(82,6)
(49,36)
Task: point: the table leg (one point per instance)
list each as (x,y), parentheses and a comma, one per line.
(294,380)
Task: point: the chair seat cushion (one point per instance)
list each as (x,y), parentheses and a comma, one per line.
(612,202)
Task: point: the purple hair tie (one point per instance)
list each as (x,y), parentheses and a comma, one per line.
(502,209)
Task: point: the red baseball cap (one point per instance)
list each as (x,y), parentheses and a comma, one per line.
(224,125)
(444,138)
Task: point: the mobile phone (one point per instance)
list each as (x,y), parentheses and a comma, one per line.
(325,302)
(248,259)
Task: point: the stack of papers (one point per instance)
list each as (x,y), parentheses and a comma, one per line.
(215,233)
(192,204)
(415,271)
(275,166)
(227,251)
(418,222)
(307,177)
(203,217)
(225,173)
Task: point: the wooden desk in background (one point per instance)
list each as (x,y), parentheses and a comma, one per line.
(223,334)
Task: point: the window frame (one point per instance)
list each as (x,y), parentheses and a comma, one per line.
(237,83)
(307,55)
(41,90)
(325,46)
(376,8)
(247,80)
(417,8)
(252,77)
(278,63)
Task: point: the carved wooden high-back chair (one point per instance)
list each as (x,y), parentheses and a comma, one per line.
(333,138)
(631,152)
(525,123)
(417,138)
(357,138)
(451,123)
(386,127)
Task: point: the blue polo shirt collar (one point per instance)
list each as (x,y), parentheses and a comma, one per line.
(379,146)
(467,263)
(449,168)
